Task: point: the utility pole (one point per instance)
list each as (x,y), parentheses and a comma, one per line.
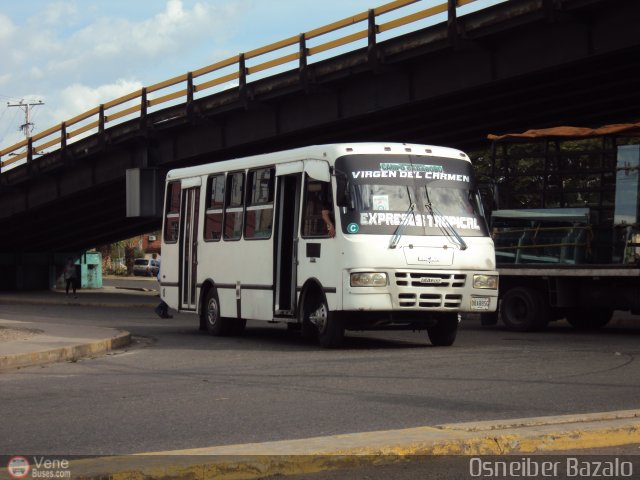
(27,126)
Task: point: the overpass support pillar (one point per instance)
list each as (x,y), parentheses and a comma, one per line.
(145,192)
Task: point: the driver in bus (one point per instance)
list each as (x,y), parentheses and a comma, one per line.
(326,216)
(319,210)
(326,208)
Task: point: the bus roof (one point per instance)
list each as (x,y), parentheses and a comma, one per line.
(327,152)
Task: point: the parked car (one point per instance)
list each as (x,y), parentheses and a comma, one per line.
(146,267)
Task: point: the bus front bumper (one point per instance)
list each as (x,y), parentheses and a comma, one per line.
(421,291)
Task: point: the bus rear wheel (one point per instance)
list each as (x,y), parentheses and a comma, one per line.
(444,333)
(214,323)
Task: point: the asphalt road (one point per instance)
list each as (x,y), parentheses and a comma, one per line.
(131,283)
(177,388)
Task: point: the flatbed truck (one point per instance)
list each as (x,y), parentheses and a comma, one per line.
(564,214)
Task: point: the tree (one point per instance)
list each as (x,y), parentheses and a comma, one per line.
(129,249)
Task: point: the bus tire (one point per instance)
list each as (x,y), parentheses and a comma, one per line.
(328,325)
(524,309)
(443,333)
(331,334)
(214,323)
(589,318)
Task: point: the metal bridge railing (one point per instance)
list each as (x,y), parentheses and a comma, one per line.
(97,119)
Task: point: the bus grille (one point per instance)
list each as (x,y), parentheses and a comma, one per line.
(430,280)
(429,300)
(420,289)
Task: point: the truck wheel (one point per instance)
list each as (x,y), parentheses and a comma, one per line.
(443,333)
(589,318)
(524,309)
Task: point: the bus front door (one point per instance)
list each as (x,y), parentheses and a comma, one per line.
(189,253)
(285,258)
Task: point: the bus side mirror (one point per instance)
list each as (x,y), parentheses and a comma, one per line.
(343,194)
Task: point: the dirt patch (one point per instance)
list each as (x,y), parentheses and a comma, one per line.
(9,334)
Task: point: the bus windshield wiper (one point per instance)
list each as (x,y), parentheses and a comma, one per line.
(395,238)
(451,230)
(448,229)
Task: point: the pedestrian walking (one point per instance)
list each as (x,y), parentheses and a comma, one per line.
(70,276)
(162,310)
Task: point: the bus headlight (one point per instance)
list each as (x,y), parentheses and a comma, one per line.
(375,279)
(485,281)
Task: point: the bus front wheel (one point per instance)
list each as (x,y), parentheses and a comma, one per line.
(443,333)
(328,325)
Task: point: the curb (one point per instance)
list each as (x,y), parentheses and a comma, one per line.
(311,455)
(71,353)
(78,303)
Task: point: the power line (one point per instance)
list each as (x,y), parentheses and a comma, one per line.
(4,112)
(6,131)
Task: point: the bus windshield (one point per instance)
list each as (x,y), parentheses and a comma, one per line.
(424,194)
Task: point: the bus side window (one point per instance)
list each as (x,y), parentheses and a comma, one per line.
(214,208)
(172,212)
(234,206)
(317,197)
(259,213)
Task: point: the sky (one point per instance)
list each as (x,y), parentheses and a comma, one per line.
(73,55)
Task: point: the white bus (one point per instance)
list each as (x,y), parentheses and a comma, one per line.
(247,239)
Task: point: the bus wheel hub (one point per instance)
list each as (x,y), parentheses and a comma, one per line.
(319,317)
(212,312)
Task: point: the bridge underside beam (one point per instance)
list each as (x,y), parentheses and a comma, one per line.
(512,67)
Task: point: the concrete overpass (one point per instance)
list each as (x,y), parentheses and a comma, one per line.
(517,65)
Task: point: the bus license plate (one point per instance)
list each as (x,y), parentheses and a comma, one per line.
(480,303)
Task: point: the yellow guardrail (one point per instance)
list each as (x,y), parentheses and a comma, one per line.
(103,114)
